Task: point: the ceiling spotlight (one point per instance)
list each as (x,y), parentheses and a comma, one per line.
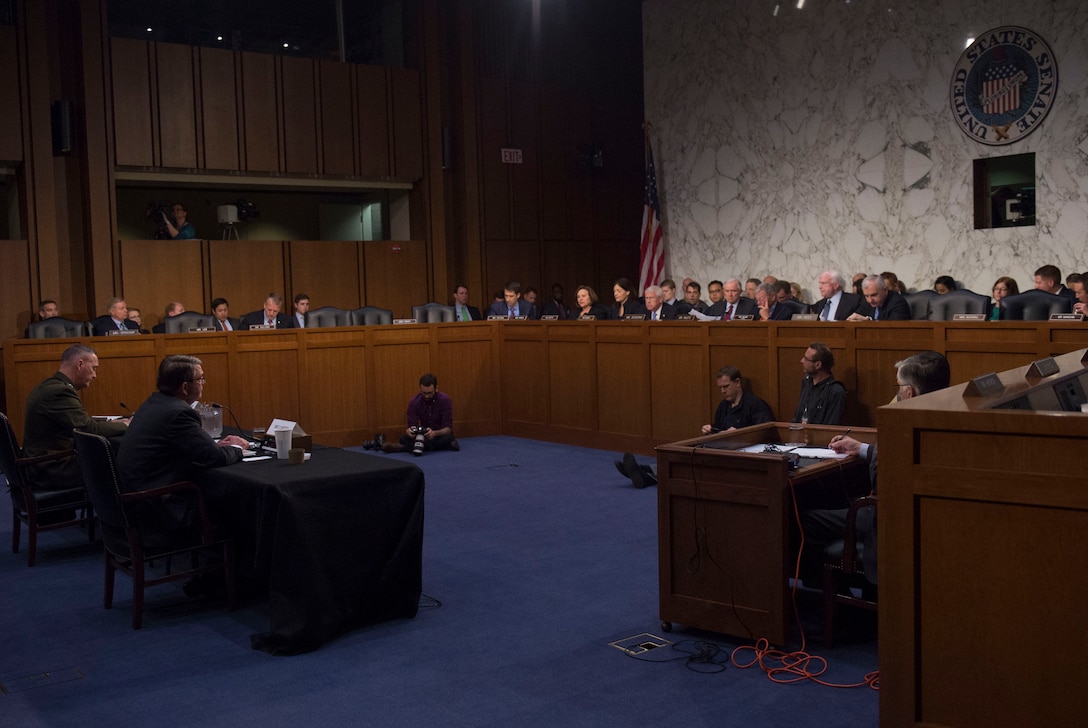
(149,29)
(969,42)
(800,4)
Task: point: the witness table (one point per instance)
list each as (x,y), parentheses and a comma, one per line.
(337,541)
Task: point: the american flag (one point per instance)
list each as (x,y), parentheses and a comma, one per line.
(1001,89)
(651,260)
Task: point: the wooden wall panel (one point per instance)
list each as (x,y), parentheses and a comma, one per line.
(245,272)
(395,380)
(372,93)
(511,260)
(623,388)
(265,372)
(524,397)
(132,121)
(331,402)
(11,106)
(572,369)
(679,407)
(177,105)
(525,177)
(493,173)
(17,306)
(327,270)
(299,93)
(396,275)
(337,130)
(260,115)
(465,367)
(160,271)
(219,109)
(570,264)
(407,115)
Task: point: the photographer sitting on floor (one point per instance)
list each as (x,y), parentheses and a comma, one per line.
(430,421)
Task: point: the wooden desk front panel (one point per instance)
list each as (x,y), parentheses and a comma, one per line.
(614,385)
(983,532)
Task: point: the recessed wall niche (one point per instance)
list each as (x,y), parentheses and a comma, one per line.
(1004,191)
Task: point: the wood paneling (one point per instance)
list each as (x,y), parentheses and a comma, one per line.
(396,275)
(406,104)
(17,305)
(327,270)
(524,177)
(260,113)
(219,108)
(337,130)
(11,106)
(615,385)
(245,272)
(153,277)
(299,115)
(373,103)
(177,105)
(132,122)
(511,260)
(493,173)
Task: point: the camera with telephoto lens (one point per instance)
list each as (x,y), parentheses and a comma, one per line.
(418,432)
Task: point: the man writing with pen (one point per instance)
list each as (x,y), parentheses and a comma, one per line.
(737,409)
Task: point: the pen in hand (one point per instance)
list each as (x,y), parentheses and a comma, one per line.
(836,438)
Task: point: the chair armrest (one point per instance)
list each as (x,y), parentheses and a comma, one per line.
(48,457)
(207,531)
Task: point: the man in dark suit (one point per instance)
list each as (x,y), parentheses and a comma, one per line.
(461,310)
(166,443)
(116,320)
(835,304)
(556,306)
(733,304)
(882,304)
(221,318)
(512,304)
(925,372)
(54,409)
(302,309)
(770,309)
(270,315)
(1049,278)
(656,310)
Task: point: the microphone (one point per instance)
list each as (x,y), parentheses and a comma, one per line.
(125,407)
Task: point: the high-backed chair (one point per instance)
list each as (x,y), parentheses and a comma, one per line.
(131,542)
(793,307)
(944,307)
(39,510)
(919,303)
(327,317)
(843,568)
(371,316)
(57,327)
(1034,305)
(432,313)
(182,322)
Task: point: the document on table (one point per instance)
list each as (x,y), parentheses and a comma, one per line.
(819,453)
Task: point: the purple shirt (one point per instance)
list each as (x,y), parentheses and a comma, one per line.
(435,414)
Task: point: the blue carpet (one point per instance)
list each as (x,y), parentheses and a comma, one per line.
(540,554)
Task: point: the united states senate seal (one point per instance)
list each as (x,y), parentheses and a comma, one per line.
(1003,85)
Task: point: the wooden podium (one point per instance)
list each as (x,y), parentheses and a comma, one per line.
(983,537)
(727,531)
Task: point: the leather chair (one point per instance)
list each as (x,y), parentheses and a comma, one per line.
(371,316)
(182,322)
(943,308)
(57,327)
(327,317)
(432,313)
(1034,305)
(39,510)
(131,543)
(919,303)
(843,569)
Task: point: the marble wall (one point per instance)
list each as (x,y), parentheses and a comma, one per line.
(824,138)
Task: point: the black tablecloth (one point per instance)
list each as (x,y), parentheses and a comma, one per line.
(337,540)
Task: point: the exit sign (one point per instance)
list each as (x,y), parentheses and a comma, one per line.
(511,156)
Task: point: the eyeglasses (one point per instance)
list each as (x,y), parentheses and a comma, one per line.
(199,379)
